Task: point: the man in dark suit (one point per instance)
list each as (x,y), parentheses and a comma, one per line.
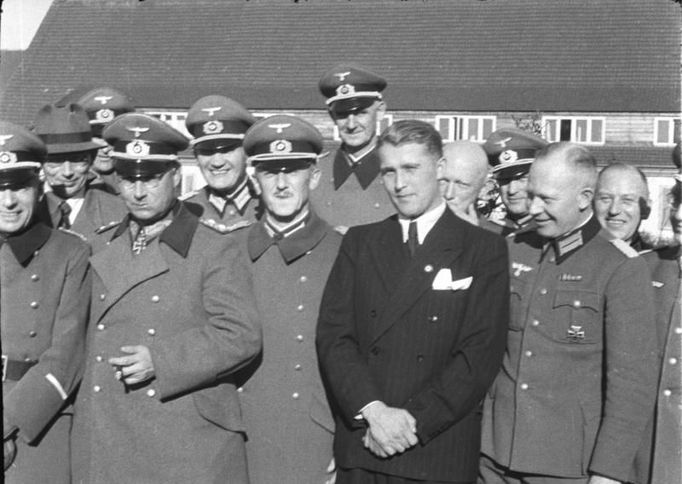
(412,327)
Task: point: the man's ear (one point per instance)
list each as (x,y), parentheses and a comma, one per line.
(315,175)
(381,110)
(585,197)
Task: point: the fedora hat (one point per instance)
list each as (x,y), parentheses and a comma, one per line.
(65,129)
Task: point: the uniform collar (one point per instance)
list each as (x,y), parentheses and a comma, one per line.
(178,235)
(365,167)
(239,197)
(570,242)
(291,247)
(25,244)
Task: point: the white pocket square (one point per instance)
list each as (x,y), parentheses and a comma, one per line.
(443,282)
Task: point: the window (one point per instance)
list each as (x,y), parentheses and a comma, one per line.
(381,126)
(472,128)
(583,130)
(175,119)
(664,131)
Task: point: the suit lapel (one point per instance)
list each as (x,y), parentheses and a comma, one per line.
(120,270)
(440,249)
(389,255)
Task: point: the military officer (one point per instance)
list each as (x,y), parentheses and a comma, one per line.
(578,378)
(228,200)
(462,173)
(44,293)
(102,105)
(351,191)
(286,414)
(172,318)
(73,200)
(510,152)
(621,203)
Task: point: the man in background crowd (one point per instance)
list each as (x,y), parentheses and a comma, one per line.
(228,200)
(350,191)
(510,152)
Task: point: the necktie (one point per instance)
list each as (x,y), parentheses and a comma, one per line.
(65,210)
(412,240)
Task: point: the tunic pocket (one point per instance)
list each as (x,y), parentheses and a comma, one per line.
(577,317)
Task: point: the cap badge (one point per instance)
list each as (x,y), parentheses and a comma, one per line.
(212,127)
(137,130)
(4,138)
(137,148)
(503,142)
(7,157)
(345,89)
(211,111)
(508,156)
(279,127)
(103,99)
(280,146)
(104,115)
(342,75)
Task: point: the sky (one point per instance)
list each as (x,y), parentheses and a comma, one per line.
(20,21)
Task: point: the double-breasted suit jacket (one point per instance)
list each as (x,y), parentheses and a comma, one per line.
(288,422)
(350,193)
(385,333)
(188,297)
(44,303)
(99,209)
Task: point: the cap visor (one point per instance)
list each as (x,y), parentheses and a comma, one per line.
(351,104)
(141,168)
(75,147)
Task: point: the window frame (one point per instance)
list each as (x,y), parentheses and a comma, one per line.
(574,120)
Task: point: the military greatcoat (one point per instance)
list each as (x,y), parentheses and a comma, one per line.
(99,209)
(44,302)
(578,378)
(351,193)
(244,209)
(288,422)
(188,297)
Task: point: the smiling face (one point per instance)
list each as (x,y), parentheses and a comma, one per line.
(357,127)
(409,172)
(17,205)
(67,173)
(621,193)
(223,167)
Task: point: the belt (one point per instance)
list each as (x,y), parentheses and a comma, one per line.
(15,369)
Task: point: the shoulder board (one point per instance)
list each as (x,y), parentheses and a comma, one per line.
(647,251)
(108,226)
(223,228)
(187,195)
(625,248)
(79,235)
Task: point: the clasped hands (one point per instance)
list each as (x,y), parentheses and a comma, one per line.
(391,430)
(135,367)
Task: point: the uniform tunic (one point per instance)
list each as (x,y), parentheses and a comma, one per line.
(660,456)
(287,418)
(99,208)
(188,297)
(348,196)
(578,376)
(233,215)
(44,294)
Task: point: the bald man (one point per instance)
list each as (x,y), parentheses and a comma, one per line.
(462,173)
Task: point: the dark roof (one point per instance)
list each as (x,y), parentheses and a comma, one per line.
(645,157)
(495,55)
(9,62)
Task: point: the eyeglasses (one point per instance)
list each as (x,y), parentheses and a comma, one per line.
(151,181)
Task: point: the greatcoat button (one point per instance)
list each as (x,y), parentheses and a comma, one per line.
(667,392)
(155,298)
(34,304)
(32,334)
(297,367)
(433,318)
(543,291)
(529,353)
(151,392)
(240,389)
(100,326)
(536,322)
(35,277)
(678,330)
(299,307)
(96,388)
(303,279)
(151,331)
(672,361)
(377,205)
(102,297)
(98,359)
(299,337)
(524,386)
(577,303)
(295,395)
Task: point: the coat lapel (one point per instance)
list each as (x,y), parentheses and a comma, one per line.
(440,249)
(120,270)
(389,255)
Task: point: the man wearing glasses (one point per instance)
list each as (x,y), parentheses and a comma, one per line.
(228,201)
(71,201)
(173,316)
